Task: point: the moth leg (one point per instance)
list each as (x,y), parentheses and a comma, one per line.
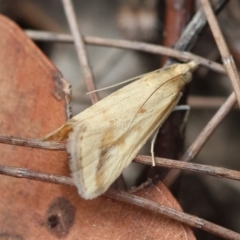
(184,108)
(152,147)
(177,108)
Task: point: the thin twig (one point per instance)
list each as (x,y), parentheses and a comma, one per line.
(197,145)
(133,45)
(81,49)
(191,33)
(82,55)
(128,198)
(224,51)
(202,138)
(160,162)
(35,175)
(33,143)
(193,167)
(197,102)
(188,219)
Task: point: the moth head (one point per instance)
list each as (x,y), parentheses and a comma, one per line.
(193,65)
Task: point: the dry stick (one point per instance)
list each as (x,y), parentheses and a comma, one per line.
(81,49)
(191,33)
(133,45)
(35,175)
(188,219)
(160,162)
(193,167)
(33,143)
(128,198)
(82,55)
(197,102)
(197,145)
(155,49)
(205,134)
(187,39)
(222,46)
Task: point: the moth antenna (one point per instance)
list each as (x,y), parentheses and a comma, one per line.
(119,84)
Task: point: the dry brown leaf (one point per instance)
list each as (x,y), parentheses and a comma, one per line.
(33,103)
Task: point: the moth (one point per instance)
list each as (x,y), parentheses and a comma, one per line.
(104,139)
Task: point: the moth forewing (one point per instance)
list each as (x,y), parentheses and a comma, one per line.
(103,139)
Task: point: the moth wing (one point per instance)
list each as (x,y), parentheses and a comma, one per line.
(99,153)
(103,139)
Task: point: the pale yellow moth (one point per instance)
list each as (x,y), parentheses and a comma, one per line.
(104,139)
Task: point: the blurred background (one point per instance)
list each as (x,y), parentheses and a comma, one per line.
(213,199)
